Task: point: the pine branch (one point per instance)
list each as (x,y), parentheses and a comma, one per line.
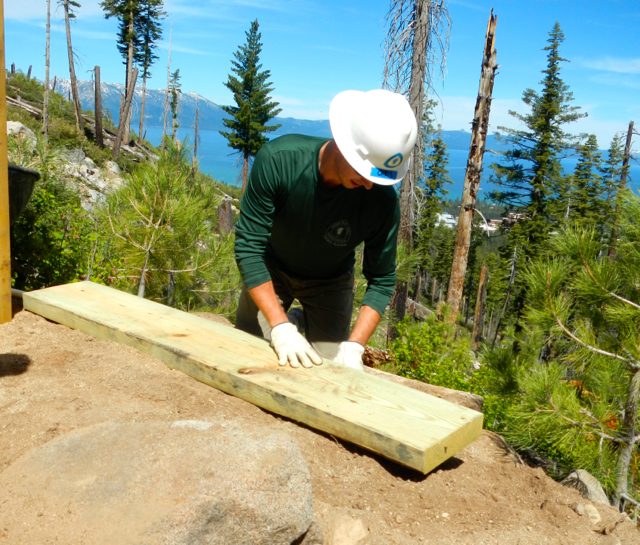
(605,290)
(633,365)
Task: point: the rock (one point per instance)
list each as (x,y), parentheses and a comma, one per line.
(88,162)
(313,535)
(578,508)
(592,513)
(345,530)
(73,156)
(181,483)
(14,128)
(587,485)
(112,169)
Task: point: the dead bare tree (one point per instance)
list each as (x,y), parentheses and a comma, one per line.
(125,114)
(623,183)
(68,6)
(166,99)
(47,63)
(98,107)
(478,318)
(417,41)
(479,130)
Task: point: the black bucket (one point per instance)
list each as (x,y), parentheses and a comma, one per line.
(21,182)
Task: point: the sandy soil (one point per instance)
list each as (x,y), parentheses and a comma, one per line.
(54,379)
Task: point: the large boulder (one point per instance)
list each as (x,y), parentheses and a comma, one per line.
(587,485)
(190,482)
(15,128)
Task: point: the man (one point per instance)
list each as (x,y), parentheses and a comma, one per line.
(308,204)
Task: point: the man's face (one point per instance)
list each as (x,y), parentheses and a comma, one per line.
(350,179)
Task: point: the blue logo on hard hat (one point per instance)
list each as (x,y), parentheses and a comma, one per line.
(394,161)
(388,174)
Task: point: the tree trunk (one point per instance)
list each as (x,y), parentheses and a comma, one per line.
(245,170)
(125,135)
(29,72)
(623,183)
(171,289)
(55,80)
(433,290)
(478,318)
(98,108)
(225,217)
(47,64)
(474,170)
(166,98)
(416,295)
(506,299)
(142,283)
(629,431)
(127,107)
(72,72)
(197,134)
(142,101)
(420,46)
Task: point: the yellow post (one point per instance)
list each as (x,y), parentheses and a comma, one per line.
(5,253)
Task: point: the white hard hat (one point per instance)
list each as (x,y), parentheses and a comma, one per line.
(376,132)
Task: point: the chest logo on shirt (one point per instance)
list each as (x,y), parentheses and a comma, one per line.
(338,233)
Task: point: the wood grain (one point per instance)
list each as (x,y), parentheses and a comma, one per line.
(405,425)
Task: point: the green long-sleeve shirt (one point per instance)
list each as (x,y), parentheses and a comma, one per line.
(291,221)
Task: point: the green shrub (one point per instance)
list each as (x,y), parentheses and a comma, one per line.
(63,133)
(433,352)
(51,241)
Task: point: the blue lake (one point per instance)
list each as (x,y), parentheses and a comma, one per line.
(220,162)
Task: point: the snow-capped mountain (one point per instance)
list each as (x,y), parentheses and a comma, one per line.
(210,114)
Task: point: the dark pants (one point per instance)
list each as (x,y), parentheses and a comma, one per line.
(327,305)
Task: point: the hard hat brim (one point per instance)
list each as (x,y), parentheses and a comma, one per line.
(341,113)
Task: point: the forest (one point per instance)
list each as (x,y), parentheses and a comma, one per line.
(545,324)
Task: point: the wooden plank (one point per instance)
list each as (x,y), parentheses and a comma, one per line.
(5,242)
(405,425)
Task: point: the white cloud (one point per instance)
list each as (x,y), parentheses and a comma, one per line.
(24,10)
(181,49)
(620,80)
(612,64)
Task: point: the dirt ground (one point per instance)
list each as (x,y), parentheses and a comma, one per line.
(54,379)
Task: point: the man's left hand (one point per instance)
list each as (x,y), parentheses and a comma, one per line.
(350,354)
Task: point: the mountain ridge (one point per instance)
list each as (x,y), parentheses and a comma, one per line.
(210,114)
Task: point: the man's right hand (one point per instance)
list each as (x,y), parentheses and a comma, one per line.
(292,348)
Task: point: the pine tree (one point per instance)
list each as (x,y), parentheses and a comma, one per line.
(530,174)
(129,41)
(254,108)
(612,168)
(583,404)
(431,191)
(150,31)
(584,202)
(163,222)
(174,90)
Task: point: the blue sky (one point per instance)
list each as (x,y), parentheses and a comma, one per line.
(316,49)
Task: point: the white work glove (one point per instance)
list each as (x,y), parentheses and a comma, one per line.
(291,347)
(350,354)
